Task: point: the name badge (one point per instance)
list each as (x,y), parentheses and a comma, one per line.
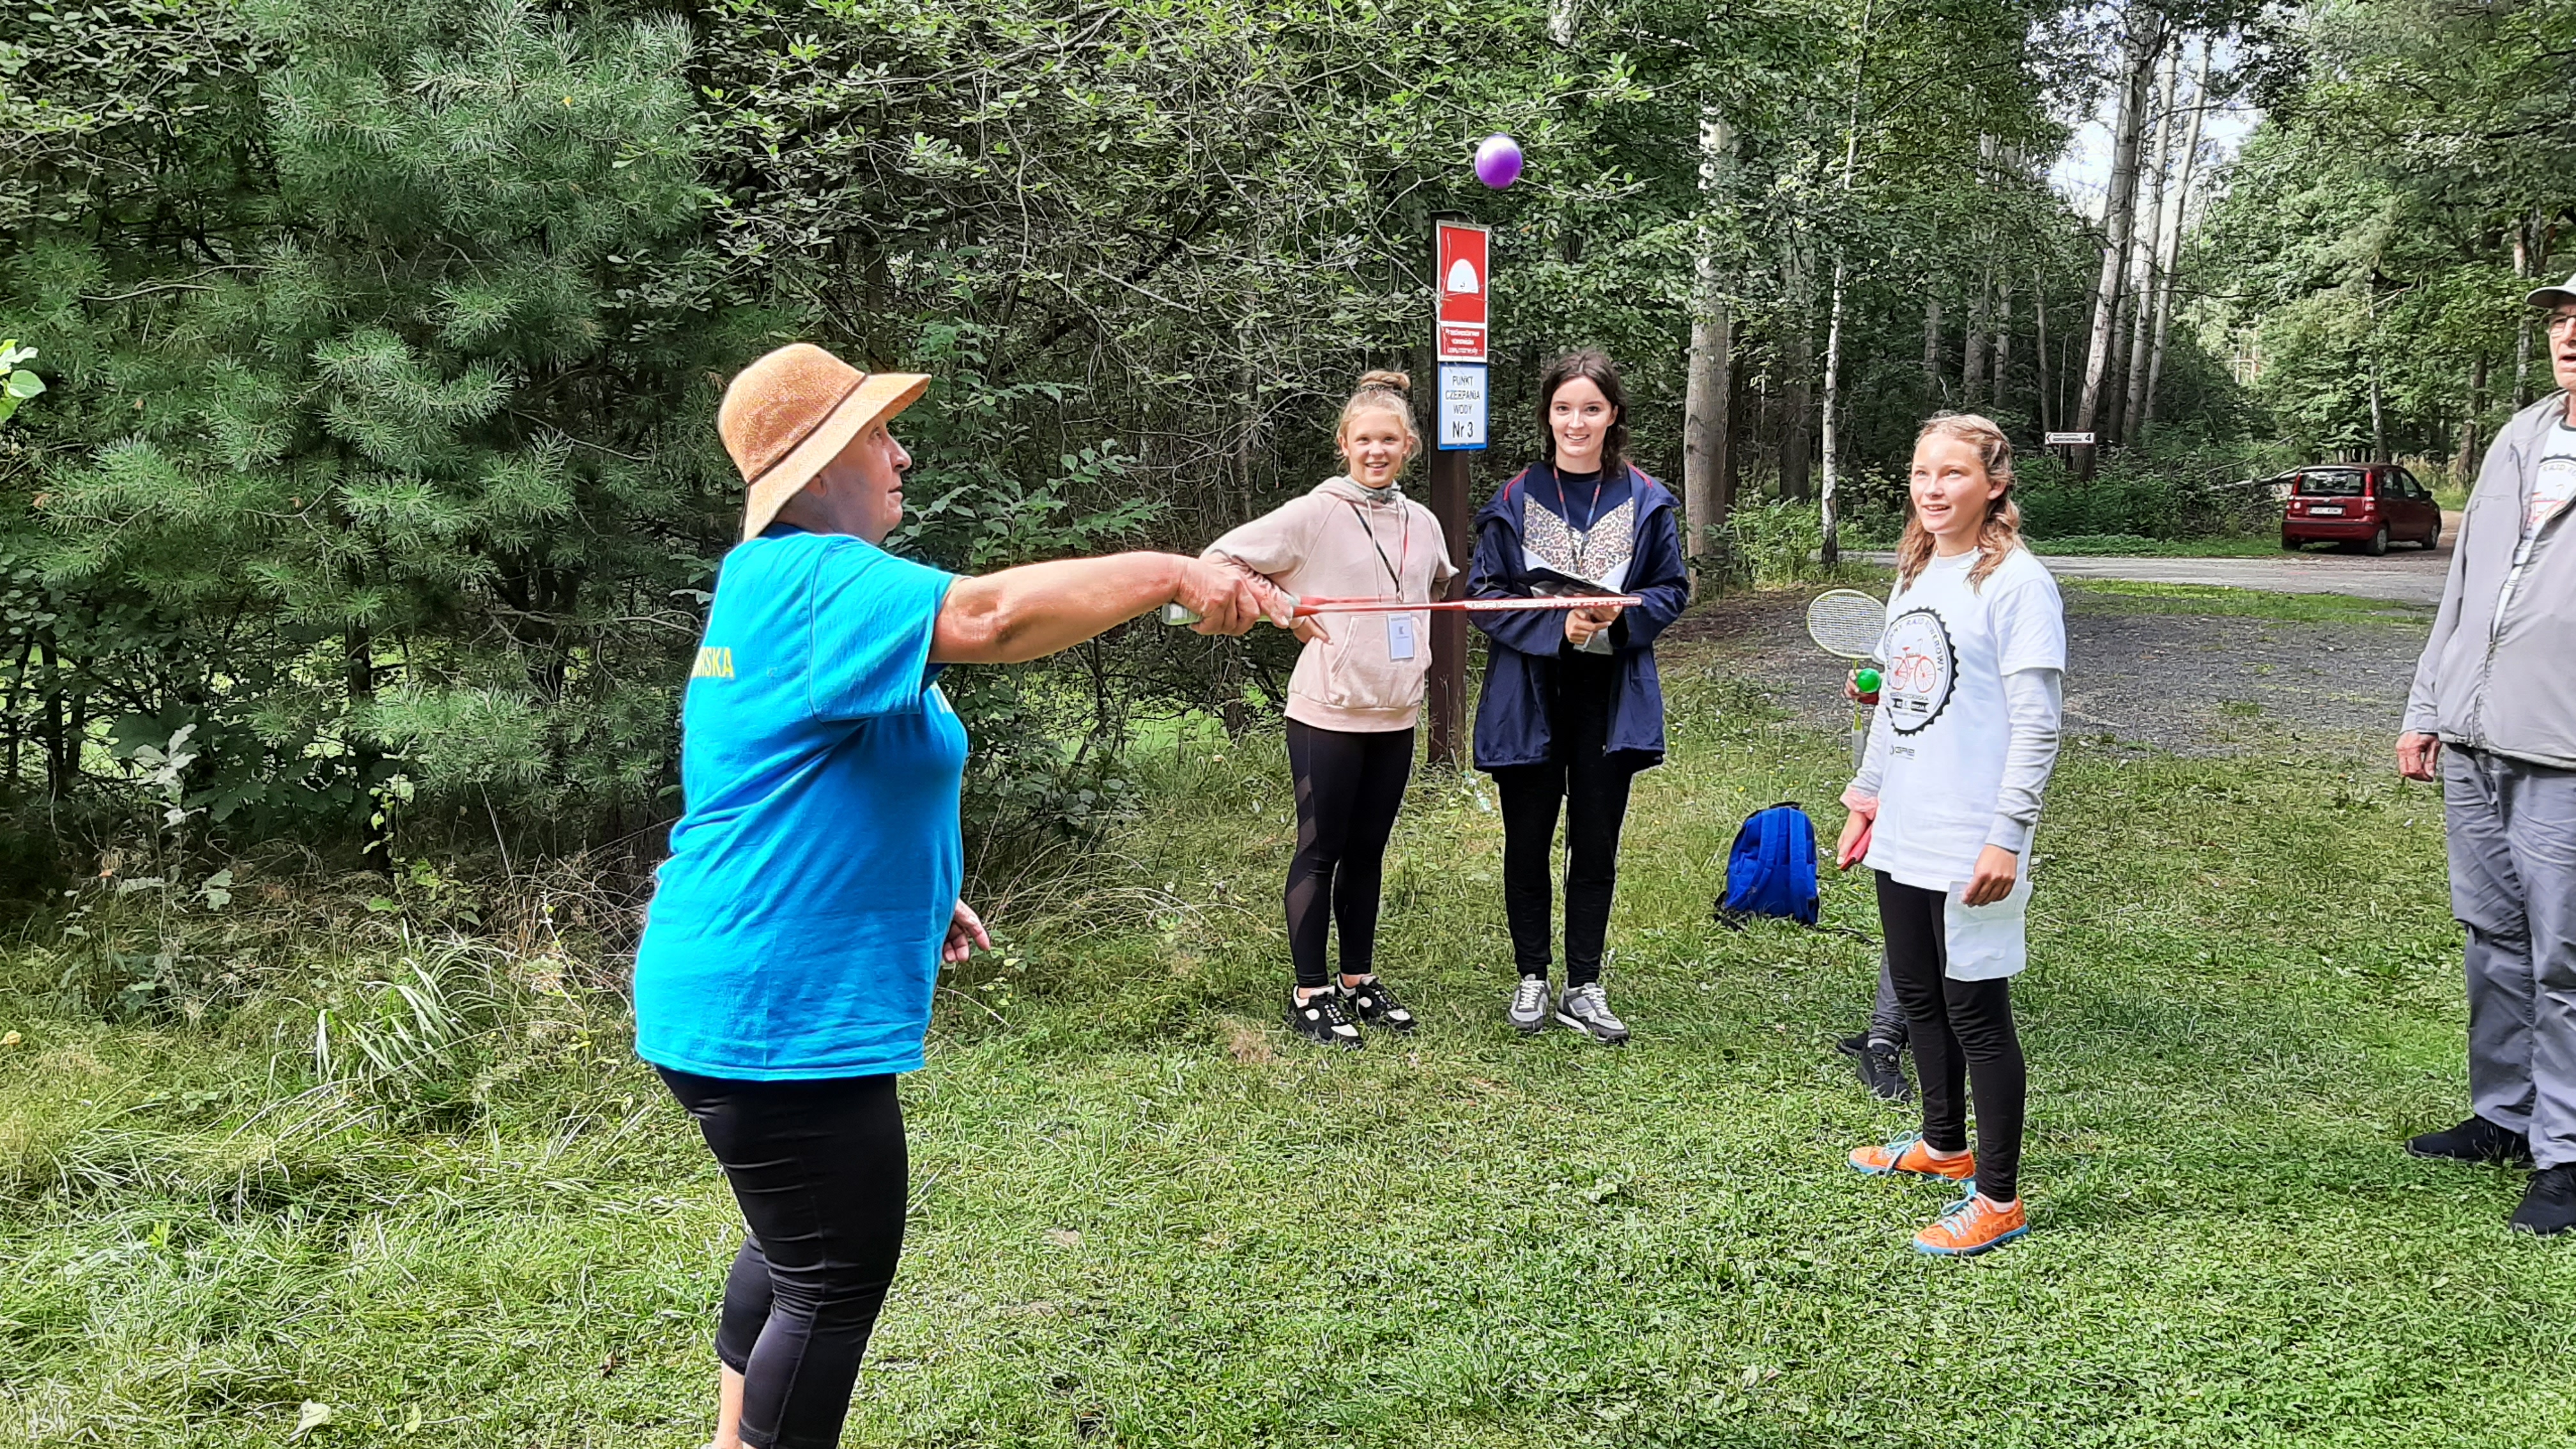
(1399,636)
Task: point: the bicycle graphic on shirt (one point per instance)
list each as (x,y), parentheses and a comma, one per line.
(1921,667)
(1913,673)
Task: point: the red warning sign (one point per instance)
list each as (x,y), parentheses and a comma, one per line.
(1465,284)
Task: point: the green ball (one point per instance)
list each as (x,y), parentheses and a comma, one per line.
(1866,681)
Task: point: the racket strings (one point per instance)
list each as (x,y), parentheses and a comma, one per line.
(1846,622)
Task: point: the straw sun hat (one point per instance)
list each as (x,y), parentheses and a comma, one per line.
(793,411)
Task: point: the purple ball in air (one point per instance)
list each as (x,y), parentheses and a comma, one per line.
(1498,161)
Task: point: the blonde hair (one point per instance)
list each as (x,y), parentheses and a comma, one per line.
(1383,390)
(2001,532)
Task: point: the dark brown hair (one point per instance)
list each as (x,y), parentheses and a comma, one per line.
(1595,365)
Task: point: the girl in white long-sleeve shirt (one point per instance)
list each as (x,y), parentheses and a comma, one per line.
(1943,808)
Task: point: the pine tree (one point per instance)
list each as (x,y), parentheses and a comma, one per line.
(423,475)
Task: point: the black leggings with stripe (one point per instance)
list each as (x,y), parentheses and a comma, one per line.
(1349,787)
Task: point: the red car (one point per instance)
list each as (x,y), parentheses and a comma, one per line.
(2364,503)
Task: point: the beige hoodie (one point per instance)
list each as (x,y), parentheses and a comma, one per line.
(1319,546)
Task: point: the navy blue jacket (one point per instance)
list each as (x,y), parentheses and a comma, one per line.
(1511,715)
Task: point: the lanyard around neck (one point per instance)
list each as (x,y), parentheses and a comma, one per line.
(1403,547)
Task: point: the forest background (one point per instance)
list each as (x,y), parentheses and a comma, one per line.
(372,498)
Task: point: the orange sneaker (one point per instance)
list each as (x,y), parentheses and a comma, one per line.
(1972,1225)
(1908,1154)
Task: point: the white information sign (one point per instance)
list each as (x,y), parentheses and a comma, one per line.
(1461,416)
(2056,440)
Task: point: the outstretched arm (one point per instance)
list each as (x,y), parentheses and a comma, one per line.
(1038,609)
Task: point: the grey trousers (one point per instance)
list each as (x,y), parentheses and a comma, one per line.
(2512,832)
(1886,1013)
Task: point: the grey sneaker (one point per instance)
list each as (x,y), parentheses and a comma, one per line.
(1529,1005)
(1586,1008)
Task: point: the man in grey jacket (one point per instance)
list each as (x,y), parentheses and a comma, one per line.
(2493,711)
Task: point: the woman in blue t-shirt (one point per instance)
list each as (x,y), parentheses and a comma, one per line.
(811,894)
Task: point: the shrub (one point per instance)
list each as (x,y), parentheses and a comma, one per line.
(2189,487)
(1773,543)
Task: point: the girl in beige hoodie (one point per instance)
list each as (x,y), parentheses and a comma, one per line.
(1353,699)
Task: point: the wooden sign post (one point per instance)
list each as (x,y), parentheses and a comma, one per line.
(1462,282)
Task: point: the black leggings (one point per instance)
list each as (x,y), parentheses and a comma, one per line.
(1963,1035)
(820,1172)
(1349,787)
(1593,784)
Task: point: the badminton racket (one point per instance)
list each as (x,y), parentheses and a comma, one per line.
(1847,623)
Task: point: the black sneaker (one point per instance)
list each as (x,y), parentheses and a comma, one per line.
(1374,1003)
(1320,1018)
(2476,1140)
(1880,1067)
(2549,1204)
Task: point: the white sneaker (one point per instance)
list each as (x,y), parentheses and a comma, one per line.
(1528,1010)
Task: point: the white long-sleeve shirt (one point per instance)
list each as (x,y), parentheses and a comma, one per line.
(2035,701)
(1970,706)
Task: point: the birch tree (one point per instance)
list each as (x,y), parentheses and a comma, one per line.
(2149,245)
(2181,215)
(1711,383)
(2143,43)
(1826,501)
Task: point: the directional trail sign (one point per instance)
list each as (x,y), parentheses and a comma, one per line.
(2060,440)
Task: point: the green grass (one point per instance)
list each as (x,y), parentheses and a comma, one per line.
(1145,1217)
(2123,596)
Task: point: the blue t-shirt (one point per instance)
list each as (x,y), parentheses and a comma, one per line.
(796,928)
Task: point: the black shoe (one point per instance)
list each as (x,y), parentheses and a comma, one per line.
(2476,1140)
(1320,1018)
(1880,1067)
(1374,1003)
(2549,1204)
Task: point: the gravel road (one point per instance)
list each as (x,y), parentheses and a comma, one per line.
(2405,573)
(2409,575)
(2192,683)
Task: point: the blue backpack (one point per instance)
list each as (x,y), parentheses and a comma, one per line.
(1771,871)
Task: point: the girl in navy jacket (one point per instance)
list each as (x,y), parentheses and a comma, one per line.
(1572,707)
